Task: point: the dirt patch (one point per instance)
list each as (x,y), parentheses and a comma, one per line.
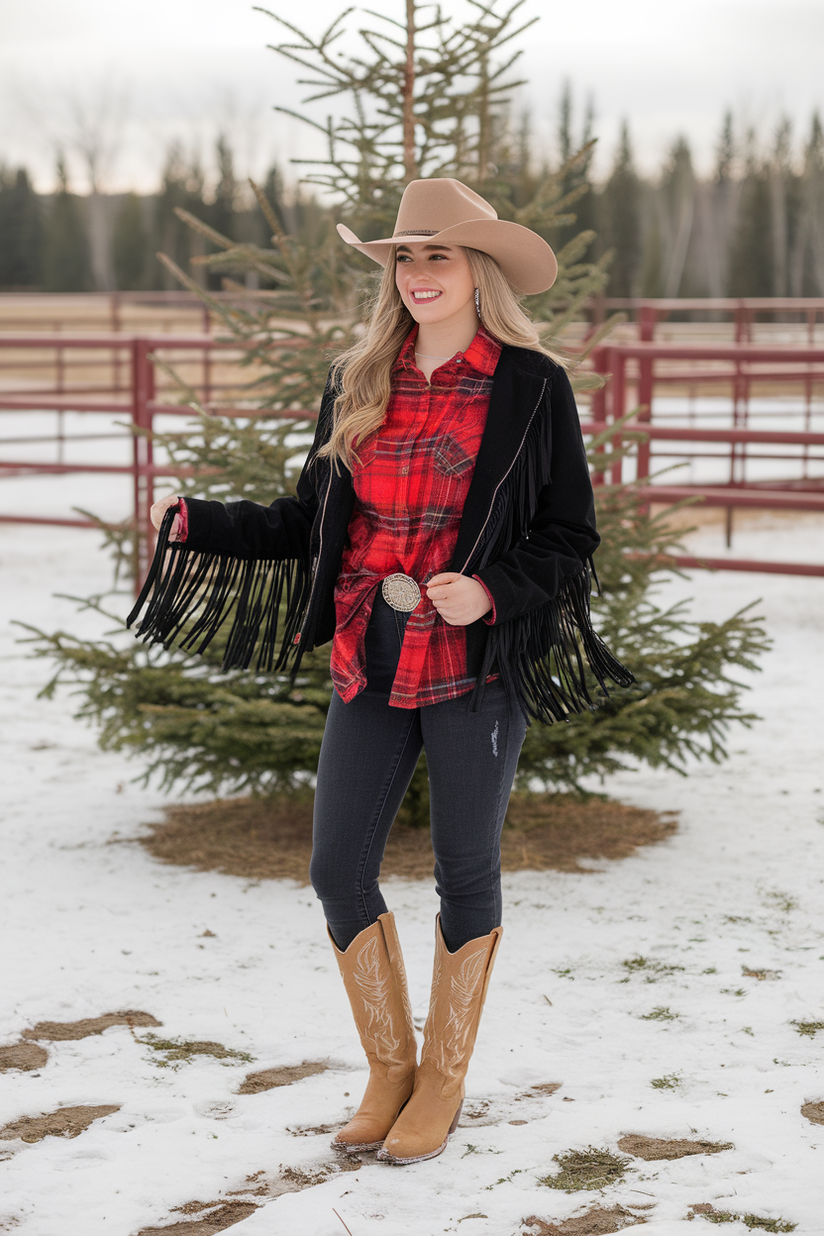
(314,1130)
(270,1079)
(814,1112)
(62,1031)
(586,1169)
(271,839)
(556,831)
(65,1122)
(224,1215)
(761,975)
(652,1148)
(596,1222)
(24,1056)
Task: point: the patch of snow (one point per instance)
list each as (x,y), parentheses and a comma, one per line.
(92,924)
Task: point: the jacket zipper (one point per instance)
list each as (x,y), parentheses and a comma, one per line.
(315,565)
(503,478)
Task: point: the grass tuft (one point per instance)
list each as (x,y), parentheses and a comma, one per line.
(652,969)
(751,1221)
(669,1082)
(810,1028)
(661,1013)
(183,1051)
(586,1169)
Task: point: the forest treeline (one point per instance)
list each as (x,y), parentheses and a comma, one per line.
(755,227)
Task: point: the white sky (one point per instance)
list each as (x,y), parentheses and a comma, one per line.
(164,69)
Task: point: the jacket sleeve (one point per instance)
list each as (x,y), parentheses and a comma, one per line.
(243,571)
(249,530)
(561,536)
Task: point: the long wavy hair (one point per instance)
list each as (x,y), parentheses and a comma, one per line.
(364,371)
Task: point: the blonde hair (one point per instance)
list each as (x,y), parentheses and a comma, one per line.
(364,371)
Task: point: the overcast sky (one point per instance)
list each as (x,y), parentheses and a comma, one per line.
(166,69)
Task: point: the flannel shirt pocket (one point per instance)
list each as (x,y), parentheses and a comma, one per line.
(450,457)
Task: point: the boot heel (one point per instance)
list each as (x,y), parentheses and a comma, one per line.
(455,1119)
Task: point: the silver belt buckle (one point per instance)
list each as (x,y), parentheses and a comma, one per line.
(401,592)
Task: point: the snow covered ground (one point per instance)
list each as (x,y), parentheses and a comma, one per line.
(91,925)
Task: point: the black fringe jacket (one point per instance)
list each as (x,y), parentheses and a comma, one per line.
(527,530)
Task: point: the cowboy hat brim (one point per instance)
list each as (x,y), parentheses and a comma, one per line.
(526,260)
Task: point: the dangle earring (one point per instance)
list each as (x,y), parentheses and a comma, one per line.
(478,301)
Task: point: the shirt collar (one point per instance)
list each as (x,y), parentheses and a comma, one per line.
(481,355)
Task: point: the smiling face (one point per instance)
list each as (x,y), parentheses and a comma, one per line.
(435,282)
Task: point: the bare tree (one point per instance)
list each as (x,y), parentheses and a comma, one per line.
(95,120)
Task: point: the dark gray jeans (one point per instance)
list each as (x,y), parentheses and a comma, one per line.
(367,759)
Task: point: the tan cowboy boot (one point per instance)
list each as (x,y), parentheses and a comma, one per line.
(459,984)
(375,980)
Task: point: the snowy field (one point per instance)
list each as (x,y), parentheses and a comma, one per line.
(721,925)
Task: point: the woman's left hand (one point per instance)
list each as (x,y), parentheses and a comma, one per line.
(459,599)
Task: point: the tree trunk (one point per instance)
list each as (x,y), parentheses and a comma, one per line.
(410,170)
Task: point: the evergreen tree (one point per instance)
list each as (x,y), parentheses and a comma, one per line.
(808,257)
(66,255)
(258,731)
(620,212)
(131,255)
(182,188)
(751,263)
(576,156)
(221,214)
(782,206)
(21,231)
(724,199)
(678,200)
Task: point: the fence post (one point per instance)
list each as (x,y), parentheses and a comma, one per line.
(618,393)
(645,388)
(143,456)
(598,409)
(647,318)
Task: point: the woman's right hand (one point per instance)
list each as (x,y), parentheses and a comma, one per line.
(159,509)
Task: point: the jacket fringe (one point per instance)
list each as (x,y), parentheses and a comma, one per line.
(539,654)
(189,595)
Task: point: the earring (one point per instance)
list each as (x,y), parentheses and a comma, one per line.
(478,301)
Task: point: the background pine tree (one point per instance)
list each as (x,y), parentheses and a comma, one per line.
(411,112)
(619,212)
(66,256)
(809,263)
(21,231)
(749,276)
(132,258)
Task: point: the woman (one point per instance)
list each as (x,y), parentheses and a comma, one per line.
(441,537)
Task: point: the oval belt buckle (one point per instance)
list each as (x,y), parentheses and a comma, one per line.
(401,592)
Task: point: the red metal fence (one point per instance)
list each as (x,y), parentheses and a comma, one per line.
(105,375)
(638,372)
(126,375)
(750,319)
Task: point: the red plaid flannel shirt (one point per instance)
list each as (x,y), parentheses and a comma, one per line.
(410,489)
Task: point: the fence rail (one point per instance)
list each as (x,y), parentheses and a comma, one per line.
(132,312)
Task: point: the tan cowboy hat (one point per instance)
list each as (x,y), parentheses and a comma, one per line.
(446,212)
